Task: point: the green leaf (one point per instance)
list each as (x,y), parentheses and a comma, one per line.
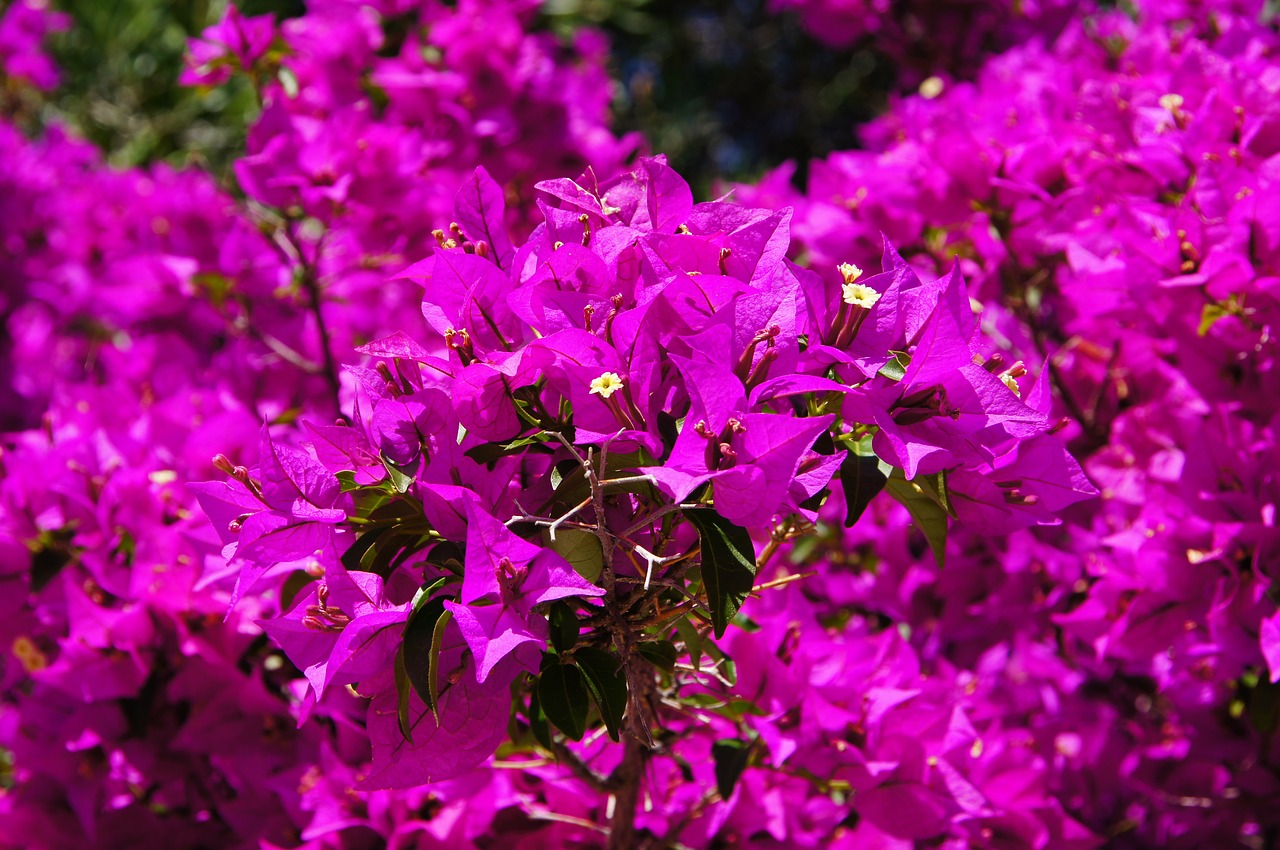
(581,548)
(423,635)
(1209,317)
(573,487)
(935,487)
(562,694)
(50,553)
(1264,706)
(564,626)
(489,453)
(862,481)
(692,640)
(524,442)
(731,757)
(402,476)
(660,653)
(538,721)
(921,501)
(607,683)
(896,369)
(728,565)
(404,689)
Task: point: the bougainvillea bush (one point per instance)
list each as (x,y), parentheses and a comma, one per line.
(452,477)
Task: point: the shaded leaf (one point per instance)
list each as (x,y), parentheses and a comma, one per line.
(564,626)
(581,548)
(692,642)
(660,653)
(862,481)
(731,757)
(562,694)
(402,476)
(607,683)
(404,690)
(538,720)
(422,642)
(927,514)
(728,565)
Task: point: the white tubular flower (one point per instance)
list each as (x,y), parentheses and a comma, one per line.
(606,385)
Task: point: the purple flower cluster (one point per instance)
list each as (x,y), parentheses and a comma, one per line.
(23,28)
(1113,196)
(622,520)
(151,321)
(727,393)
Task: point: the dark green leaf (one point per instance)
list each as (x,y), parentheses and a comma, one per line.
(293,585)
(862,480)
(581,548)
(538,720)
(53,554)
(404,689)
(564,626)
(1264,706)
(692,639)
(659,653)
(562,694)
(573,487)
(422,639)
(728,565)
(607,683)
(731,757)
(929,516)
(356,551)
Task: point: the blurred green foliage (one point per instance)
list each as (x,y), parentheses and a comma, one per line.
(120,63)
(725,89)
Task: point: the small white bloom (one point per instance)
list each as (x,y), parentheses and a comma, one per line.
(860,295)
(932,87)
(607,384)
(1171,101)
(849,272)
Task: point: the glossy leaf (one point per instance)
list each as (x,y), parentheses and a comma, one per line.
(581,548)
(728,565)
(731,757)
(921,501)
(608,685)
(660,653)
(564,626)
(862,481)
(422,642)
(563,696)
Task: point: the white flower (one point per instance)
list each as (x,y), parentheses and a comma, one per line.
(860,295)
(849,272)
(607,384)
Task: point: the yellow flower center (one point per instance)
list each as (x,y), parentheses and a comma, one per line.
(607,384)
(849,272)
(1011,384)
